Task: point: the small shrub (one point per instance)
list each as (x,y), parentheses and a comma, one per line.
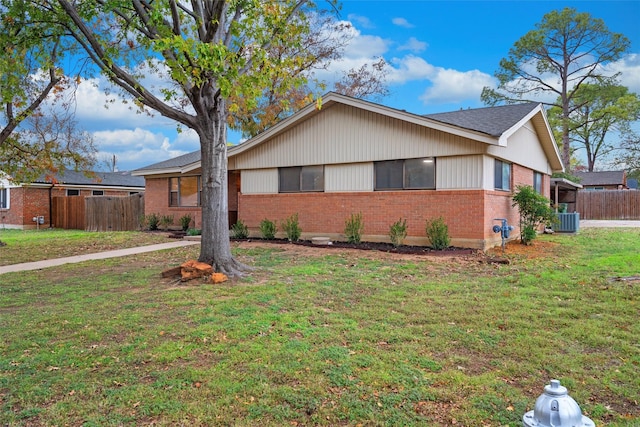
(194,232)
(239,230)
(151,221)
(268,229)
(185,221)
(535,209)
(398,232)
(438,233)
(291,228)
(528,234)
(353,228)
(166,221)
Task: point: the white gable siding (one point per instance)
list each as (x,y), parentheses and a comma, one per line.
(459,173)
(488,171)
(344,134)
(350,177)
(523,147)
(259,181)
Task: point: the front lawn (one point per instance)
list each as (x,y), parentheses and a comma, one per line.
(37,245)
(326,337)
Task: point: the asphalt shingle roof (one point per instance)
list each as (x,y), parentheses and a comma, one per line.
(601,178)
(117,179)
(176,162)
(492,121)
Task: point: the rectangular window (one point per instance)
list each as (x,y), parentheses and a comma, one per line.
(411,174)
(502,176)
(4,198)
(73,192)
(184,191)
(537,182)
(301,179)
(97,193)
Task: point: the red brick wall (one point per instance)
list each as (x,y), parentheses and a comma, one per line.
(463,211)
(156,200)
(25,203)
(13,216)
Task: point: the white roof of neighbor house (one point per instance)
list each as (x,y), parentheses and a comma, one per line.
(489,125)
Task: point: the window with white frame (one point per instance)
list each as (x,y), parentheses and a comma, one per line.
(97,193)
(409,174)
(71,192)
(502,175)
(4,198)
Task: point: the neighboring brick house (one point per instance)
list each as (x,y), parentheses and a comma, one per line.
(607,180)
(20,203)
(354,156)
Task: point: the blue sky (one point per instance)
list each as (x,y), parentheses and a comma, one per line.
(441,54)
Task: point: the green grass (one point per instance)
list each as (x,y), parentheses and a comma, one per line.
(36,245)
(336,339)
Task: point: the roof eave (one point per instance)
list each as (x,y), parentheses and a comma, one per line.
(165,171)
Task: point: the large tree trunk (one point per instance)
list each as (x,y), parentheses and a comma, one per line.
(216,248)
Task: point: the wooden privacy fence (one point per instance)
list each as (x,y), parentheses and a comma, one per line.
(608,204)
(68,212)
(114,213)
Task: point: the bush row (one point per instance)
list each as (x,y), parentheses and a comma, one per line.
(436,230)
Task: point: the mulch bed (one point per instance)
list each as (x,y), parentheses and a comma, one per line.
(372,246)
(365,246)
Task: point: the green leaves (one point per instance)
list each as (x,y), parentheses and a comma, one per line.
(564,51)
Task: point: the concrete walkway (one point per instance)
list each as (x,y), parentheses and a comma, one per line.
(38,265)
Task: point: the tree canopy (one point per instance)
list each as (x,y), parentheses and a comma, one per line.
(191,62)
(33,140)
(565,50)
(597,112)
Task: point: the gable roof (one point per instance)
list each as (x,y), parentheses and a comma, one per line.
(493,121)
(489,125)
(601,178)
(95,179)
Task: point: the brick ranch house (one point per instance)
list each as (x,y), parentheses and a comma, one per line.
(21,202)
(353,156)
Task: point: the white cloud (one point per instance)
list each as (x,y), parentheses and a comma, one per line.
(414,45)
(100,106)
(452,86)
(133,139)
(360,50)
(629,67)
(409,68)
(366,46)
(139,147)
(362,21)
(402,22)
